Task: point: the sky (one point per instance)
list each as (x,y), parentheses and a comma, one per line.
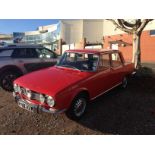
(8,26)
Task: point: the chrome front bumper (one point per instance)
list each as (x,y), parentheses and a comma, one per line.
(27,105)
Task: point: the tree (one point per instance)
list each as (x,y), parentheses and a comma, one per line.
(134,27)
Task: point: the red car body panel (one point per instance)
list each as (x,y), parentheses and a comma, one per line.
(63,84)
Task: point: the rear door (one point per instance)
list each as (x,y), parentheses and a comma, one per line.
(116,69)
(104,73)
(27,58)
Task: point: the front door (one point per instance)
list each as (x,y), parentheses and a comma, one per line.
(101,80)
(49,58)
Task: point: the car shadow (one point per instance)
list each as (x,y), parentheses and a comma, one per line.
(127,111)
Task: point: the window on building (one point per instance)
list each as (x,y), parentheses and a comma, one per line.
(116,61)
(104,62)
(152,32)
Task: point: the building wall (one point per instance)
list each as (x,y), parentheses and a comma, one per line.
(110,29)
(147,45)
(32,33)
(48,28)
(93,30)
(71,31)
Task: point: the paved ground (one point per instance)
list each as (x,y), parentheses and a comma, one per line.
(129,111)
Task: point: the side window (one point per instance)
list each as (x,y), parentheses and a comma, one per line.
(104,62)
(19,53)
(45,53)
(31,53)
(6,53)
(115,60)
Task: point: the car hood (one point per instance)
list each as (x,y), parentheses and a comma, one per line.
(51,80)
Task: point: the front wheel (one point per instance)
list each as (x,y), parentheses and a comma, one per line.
(78,108)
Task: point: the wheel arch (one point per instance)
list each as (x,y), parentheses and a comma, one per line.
(81,91)
(11,68)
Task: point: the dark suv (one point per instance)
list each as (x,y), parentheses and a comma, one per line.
(16,60)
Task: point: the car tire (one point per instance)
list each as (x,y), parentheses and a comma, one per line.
(78,108)
(7,78)
(124,82)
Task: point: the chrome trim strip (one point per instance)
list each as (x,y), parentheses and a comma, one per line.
(106,91)
(53,112)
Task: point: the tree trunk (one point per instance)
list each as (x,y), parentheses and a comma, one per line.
(136,55)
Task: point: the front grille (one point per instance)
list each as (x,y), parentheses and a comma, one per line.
(34,95)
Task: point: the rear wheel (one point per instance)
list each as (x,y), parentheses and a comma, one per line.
(124,82)
(78,107)
(6,80)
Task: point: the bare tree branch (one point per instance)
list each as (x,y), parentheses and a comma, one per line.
(121,27)
(127,27)
(121,22)
(143,24)
(132,25)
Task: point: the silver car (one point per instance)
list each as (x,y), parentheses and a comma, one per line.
(17,60)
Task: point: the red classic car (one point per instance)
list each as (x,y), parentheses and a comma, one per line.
(78,78)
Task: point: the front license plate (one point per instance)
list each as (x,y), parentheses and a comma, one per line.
(26,106)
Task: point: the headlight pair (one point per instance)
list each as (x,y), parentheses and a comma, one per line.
(48,99)
(42,98)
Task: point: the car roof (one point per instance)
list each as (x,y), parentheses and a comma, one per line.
(93,51)
(13,46)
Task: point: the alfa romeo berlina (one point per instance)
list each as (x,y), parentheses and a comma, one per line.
(79,77)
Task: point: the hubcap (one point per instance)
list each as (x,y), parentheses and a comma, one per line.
(80,107)
(8,80)
(124,82)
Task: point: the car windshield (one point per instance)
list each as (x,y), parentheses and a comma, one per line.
(79,61)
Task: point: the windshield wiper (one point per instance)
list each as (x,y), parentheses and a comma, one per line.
(69,67)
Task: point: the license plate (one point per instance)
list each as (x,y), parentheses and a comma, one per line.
(26,106)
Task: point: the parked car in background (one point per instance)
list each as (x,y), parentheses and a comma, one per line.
(78,78)
(17,60)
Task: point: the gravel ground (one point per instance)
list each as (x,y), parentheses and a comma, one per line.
(121,111)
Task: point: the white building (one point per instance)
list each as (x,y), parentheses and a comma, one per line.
(72,31)
(93,29)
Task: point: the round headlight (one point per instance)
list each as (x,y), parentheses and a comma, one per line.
(41,98)
(15,86)
(28,93)
(19,90)
(50,101)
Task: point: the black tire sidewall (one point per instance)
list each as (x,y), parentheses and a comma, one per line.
(70,112)
(124,82)
(5,73)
